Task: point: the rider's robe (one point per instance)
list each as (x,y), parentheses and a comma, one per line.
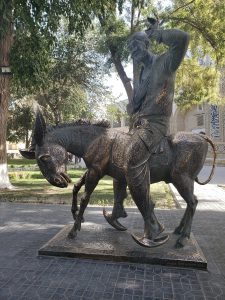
(153,99)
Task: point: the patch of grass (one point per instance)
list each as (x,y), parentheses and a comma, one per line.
(33,187)
(18,162)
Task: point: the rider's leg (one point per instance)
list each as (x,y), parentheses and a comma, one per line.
(141,197)
(138,179)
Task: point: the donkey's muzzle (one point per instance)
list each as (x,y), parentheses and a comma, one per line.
(60,180)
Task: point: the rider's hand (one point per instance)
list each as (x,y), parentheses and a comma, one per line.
(153,24)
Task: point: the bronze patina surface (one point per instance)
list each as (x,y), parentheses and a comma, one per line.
(180,162)
(98,241)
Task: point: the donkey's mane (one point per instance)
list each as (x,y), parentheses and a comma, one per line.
(99,123)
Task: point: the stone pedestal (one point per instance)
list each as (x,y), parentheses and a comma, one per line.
(97,240)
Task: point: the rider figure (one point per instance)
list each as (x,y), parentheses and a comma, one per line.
(151,108)
(151,105)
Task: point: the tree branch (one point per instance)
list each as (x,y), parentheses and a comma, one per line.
(194,24)
(182,6)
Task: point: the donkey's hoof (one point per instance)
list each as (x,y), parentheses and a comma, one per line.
(181,242)
(72,234)
(113,222)
(123,214)
(161,228)
(150,243)
(179,245)
(177,230)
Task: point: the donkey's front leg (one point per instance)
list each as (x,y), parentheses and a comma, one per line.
(120,193)
(91,180)
(76,189)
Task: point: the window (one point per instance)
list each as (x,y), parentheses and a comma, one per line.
(200,107)
(200,120)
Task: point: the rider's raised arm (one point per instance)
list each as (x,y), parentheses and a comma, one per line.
(177,40)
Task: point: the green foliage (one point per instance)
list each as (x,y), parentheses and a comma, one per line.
(19,123)
(36,25)
(35,30)
(21,162)
(114,113)
(30,61)
(6,7)
(112,35)
(205,22)
(70,85)
(196,83)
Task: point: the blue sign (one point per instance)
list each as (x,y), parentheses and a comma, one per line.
(215,122)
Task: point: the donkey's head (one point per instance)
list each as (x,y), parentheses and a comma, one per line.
(51,157)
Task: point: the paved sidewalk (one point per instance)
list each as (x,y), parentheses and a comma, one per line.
(24,228)
(210,197)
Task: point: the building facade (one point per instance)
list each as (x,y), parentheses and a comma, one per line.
(207,118)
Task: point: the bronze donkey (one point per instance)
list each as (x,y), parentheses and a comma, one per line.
(177,160)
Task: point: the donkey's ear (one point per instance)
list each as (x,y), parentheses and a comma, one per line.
(27,154)
(39,129)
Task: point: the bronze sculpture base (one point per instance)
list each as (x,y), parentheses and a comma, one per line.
(98,241)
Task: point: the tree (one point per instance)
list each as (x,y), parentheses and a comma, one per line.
(205,23)
(34,20)
(20,123)
(5,46)
(71,85)
(114,32)
(196,83)
(199,77)
(203,20)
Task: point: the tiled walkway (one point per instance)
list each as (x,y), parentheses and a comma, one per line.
(24,228)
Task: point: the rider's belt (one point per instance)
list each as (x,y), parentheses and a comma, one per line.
(153,122)
(154,118)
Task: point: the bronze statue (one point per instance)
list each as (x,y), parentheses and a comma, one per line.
(104,151)
(145,155)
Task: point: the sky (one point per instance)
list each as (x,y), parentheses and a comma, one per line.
(115,84)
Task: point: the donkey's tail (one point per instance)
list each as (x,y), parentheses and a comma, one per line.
(214,160)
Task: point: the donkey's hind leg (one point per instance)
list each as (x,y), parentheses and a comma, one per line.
(185,187)
(91,180)
(120,193)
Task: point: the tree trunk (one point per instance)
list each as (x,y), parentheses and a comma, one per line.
(5,46)
(118,64)
(27,138)
(122,74)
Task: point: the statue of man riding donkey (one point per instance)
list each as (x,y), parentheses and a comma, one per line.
(144,155)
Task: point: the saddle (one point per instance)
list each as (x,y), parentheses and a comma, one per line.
(160,154)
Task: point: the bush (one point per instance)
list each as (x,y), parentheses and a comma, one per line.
(25,175)
(18,175)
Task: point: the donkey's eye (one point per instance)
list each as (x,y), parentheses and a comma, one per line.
(45,157)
